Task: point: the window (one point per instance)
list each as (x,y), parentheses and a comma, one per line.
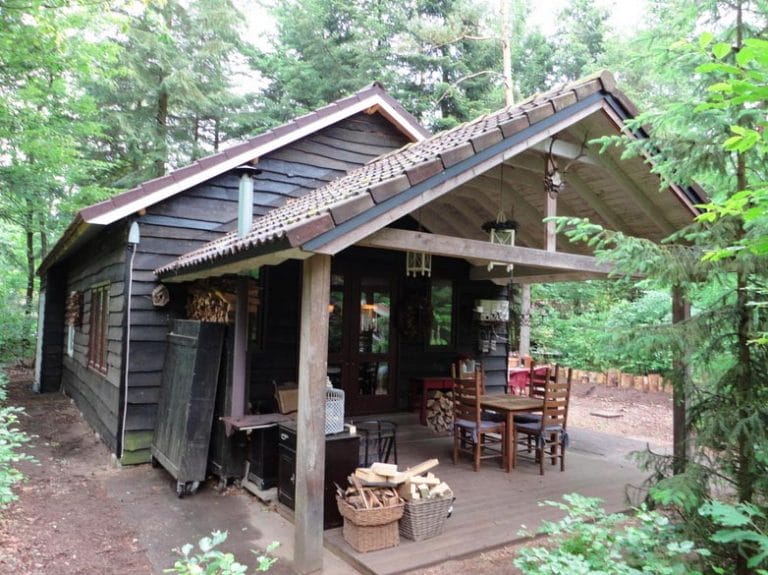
(441,299)
(99,325)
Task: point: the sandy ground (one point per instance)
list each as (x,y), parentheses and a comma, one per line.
(79,514)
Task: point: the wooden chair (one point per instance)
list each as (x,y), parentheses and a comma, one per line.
(471,433)
(537,383)
(549,434)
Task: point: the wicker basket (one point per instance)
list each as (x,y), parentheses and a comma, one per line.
(425,518)
(370,517)
(364,538)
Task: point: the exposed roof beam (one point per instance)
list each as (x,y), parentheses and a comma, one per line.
(528,211)
(555,278)
(596,203)
(582,188)
(566,150)
(402,240)
(632,189)
(519,276)
(525,211)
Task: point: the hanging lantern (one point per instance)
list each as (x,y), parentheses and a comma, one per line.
(418,263)
(501,232)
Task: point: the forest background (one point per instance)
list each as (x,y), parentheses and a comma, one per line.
(97,97)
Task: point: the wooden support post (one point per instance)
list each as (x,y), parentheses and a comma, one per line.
(525,321)
(551,243)
(240,351)
(310,423)
(681,311)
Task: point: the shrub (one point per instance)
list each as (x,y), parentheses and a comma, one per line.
(11,441)
(211,561)
(588,540)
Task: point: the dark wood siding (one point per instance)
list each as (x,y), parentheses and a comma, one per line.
(97,395)
(53,346)
(277,358)
(418,359)
(191,219)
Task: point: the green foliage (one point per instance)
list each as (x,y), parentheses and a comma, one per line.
(211,561)
(588,540)
(600,325)
(11,441)
(744,525)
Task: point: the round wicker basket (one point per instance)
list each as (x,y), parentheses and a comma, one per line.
(370,517)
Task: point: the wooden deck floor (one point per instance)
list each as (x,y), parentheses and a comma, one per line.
(492,506)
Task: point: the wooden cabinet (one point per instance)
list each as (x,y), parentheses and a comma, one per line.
(341,455)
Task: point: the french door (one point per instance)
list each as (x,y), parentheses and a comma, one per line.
(361,350)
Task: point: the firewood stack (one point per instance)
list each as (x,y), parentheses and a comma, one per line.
(361,497)
(210,305)
(216,301)
(376,482)
(440,411)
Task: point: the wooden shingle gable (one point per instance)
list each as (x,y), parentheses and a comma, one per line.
(371,100)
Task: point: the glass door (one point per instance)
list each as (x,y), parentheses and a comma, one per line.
(360,347)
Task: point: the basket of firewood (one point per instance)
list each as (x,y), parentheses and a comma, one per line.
(370,515)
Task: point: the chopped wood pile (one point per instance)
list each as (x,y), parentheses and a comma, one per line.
(74,311)
(440,411)
(217,302)
(210,305)
(384,485)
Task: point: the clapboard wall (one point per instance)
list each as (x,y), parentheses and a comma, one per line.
(97,395)
(192,218)
(52,348)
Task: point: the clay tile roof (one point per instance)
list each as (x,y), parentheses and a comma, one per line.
(304,218)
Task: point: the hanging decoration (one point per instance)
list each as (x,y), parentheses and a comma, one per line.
(502,230)
(418,263)
(553,181)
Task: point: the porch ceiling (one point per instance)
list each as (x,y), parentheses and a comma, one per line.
(616,194)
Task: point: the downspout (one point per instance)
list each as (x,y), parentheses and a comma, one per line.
(133,241)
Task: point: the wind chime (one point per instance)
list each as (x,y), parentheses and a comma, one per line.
(501,231)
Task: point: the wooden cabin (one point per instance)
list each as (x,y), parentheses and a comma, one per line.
(308,270)
(108,356)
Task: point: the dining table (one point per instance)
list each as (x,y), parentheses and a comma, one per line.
(509,405)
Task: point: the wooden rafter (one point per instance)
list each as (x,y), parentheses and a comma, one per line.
(402,240)
(610,217)
(630,187)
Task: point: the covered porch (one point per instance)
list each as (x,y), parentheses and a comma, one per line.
(530,163)
(492,507)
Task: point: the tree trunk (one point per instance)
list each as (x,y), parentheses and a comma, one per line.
(29,232)
(506,52)
(162,131)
